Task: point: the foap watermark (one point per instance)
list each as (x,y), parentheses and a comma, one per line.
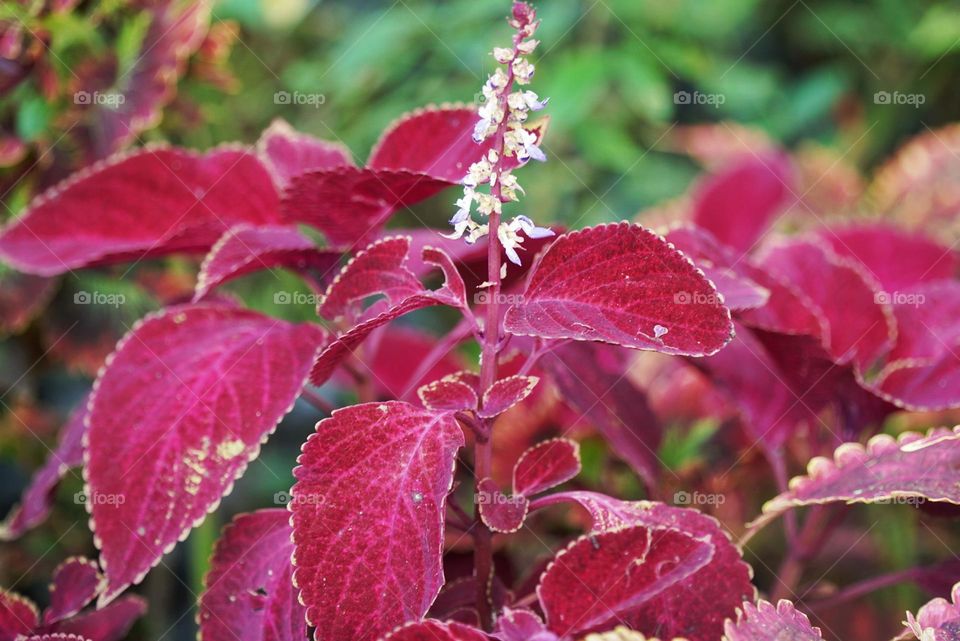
(497,498)
(698,498)
(697,298)
(485,298)
(99,298)
(699,98)
(286,498)
(112,99)
(299,98)
(901,500)
(295,298)
(99,498)
(899,98)
(915,299)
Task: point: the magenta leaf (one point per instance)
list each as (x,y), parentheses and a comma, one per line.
(914,467)
(178,411)
(249,592)
(522,625)
(500,513)
(288,153)
(37,499)
(591,378)
(246,248)
(696,607)
(76,582)
(18,616)
(448,394)
(52,636)
(546,465)
(368,517)
(505,393)
(621,284)
(22,297)
(110,623)
(185,206)
(393,363)
(350,205)
(602,579)
(737,204)
(898,259)
(739,292)
(938,619)
(431,630)
(765,621)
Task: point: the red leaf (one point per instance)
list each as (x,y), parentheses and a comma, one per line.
(913,467)
(859,331)
(76,582)
(625,285)
(500,513)
(37,499)
(592,380)
(546,465)
(22,297)
(431,630)
(248,592)
(696,607)
(107,624)
(521,625)
(245,249)
(448,394)
(603,578)
(898,259)
(736,205)
(938,619)
(18,615)
(505,393)
(52,636)
(368,517)
(764,621)
(288,153)
(350,205)
(149,203)
(393,362)
(178,411)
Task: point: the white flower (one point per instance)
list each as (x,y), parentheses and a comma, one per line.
(463,207)
(480,130)
(525,146)
(530,229)
(512,240)
(522,71)
(503,56)
(527,46)
(509,185)
(478,173)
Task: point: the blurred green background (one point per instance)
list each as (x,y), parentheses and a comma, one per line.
(799,69)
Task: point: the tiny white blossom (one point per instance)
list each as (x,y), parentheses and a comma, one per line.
(522,71)
(530,229)
(527,46)
(502,55)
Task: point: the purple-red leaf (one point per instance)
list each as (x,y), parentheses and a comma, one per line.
(938,619)
(521,625)
(912,468)
(505,393)
(246,248)
(52,636)
(178,411)
(431,630)
(448,394)
(18,615)
(737,204)
(368,517)
(37,499)
(621,284)
(602,579)
(765,621)
(546,465)
(106,624)
(76,582)
(288,153)
(249,592)
(500,513)
(148,203)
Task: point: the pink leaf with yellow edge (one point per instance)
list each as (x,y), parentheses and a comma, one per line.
(431,630)
(180,408)
(37,499)
(52,636)
(522,625)
(737,204)
(452,280)
(912,468)
(245,249)
(765,621)
(187,203)
(621,284)
(938,619)
(351,205)
(18,616)
(288,153)
(368,517)
(500,513)
(602,579)
(694,608)
(76,582)
(860,330)
(505,393)
(898,259)
(448,394)
(249,590)
(546,465)
(111,623)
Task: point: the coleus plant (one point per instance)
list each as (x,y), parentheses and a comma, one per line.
(191,392)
